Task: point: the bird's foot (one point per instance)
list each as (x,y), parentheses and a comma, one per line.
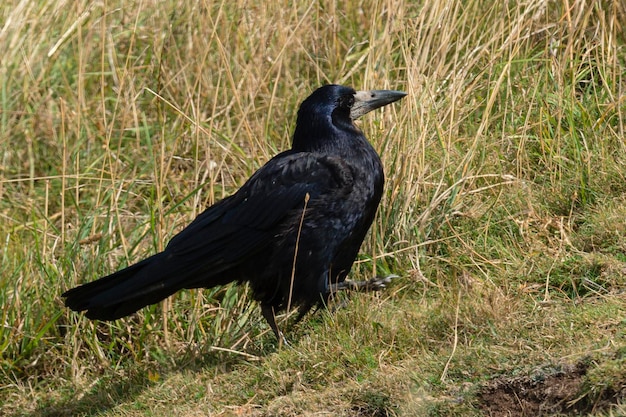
(373,284)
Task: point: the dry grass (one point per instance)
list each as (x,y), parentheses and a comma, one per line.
(504,208)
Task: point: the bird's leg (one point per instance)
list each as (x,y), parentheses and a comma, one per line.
(374,284)
(268,314)
(303,310)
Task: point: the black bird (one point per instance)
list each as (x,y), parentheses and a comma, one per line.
(293,230)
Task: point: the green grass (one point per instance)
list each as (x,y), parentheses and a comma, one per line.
(504,211)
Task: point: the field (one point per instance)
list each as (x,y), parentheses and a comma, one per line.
(504,211)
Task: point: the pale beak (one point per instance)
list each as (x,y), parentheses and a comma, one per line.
(366,101)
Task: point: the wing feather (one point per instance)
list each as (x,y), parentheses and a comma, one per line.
(246,222)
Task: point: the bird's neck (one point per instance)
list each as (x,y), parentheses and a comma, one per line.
(325,137)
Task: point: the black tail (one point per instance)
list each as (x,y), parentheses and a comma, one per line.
(126,291)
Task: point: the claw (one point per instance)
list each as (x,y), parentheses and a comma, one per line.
(374,284)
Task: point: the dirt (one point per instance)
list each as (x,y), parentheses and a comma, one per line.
(548,391)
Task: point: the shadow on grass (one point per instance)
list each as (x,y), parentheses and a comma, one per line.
(112,390)
(104,395)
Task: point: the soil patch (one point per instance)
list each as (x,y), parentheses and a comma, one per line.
(548,391)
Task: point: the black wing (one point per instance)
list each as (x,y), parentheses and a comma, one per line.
(246,222)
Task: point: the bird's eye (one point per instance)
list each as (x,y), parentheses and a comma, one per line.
(346,102)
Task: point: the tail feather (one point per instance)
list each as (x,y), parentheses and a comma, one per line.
(126,291)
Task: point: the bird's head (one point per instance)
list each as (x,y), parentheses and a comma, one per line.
(330,111)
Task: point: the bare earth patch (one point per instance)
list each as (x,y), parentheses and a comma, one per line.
(548,391)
